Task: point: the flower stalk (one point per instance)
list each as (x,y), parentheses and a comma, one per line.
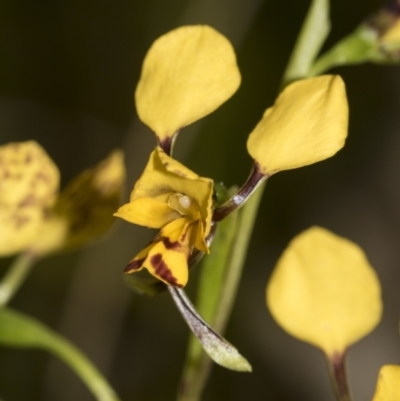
(16,275)
(245,192)
(337,373)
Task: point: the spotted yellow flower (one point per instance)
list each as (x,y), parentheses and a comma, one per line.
(170,197)
(36,217)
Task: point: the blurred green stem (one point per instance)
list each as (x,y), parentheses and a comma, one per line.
(88,373)
(15,276)
(311,38)
(18,330)
(228,264)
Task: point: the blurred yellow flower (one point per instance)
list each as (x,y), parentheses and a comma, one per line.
(187,74)
(171,197)
(28,190)
(307,124)
(324,291)
(34,216)
(388,386)
(84,210)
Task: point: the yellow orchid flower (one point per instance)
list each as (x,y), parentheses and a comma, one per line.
(187,73)
(28,190)
(36,217)
(171,197)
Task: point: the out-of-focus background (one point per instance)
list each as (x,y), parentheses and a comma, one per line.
(67,75)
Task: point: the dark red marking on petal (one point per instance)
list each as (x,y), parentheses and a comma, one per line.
(162,270)
(136,264)
(170,245)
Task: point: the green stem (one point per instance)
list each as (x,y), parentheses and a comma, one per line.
(15,276)
(247,218)
(198,364)
(313,33)
(88,373)
(18,330)
(315,29)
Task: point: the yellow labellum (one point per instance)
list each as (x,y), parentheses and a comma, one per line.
(388,386)
(187,74)
(324,291)
(307,124)
(28,187)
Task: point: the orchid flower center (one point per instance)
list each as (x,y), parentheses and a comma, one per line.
(185,201)
(184,205)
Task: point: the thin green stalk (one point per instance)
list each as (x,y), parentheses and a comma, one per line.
(15,276)
(198,364)
(236,261)
(88,373)
(315,29)
(18,330)
(311,38)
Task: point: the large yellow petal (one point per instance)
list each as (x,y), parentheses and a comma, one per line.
(28,188)
(187,74)
(147,212)
(388,386)
(307,124)
(324,291)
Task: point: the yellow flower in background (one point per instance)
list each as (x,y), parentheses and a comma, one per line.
(84,209)
(171,197)
(388,386)
(35,217)
(324,291)
(28,190)
(187,73)
(308,123)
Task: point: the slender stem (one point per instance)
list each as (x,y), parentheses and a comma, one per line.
(310,40)
(15,276)
(88,373)
(213,273)
(313,33)
(239,250)
(238,200)
(337,372)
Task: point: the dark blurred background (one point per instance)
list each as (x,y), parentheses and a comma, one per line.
(67,75)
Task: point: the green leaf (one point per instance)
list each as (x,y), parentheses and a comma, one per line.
(21,331)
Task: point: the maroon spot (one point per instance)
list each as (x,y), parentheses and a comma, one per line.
(170,245)
(28,201)
(163,270)
(42,177)
(28,158)
(20,221)
(134,265)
